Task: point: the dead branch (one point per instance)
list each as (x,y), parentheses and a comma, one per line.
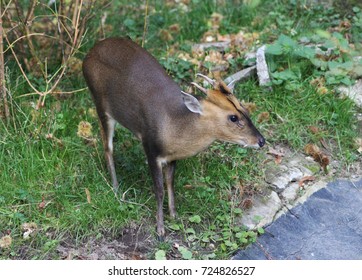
(241,75)
(66,33)
(262,67)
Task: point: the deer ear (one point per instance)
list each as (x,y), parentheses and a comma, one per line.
(191,103)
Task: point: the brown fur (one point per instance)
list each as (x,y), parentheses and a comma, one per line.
(130,87)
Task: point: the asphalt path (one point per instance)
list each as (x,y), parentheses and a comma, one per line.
(328,226)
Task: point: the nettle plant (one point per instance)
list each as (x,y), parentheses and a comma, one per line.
(324,55)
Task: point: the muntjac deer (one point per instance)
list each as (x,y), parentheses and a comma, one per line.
(130,87)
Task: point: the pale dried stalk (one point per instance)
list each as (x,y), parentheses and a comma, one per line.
(69,50)
(145,25)
(3,93)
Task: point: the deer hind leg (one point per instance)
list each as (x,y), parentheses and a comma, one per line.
(107,130)
(169,170)
(156,169)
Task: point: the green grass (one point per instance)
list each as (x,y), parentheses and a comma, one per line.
(43,160)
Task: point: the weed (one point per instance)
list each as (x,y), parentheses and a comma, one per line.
(52,177)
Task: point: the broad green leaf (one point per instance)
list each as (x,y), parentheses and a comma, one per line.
(319,63)
(287,42)
(238,211)
(174,227)
(209,256)
(160,255)
(186,254)
(195,219)
(347,81)
(243,240)
(129,22)
(275,49)
(252,3)
(205,239)
(323,34)
(305,52)
(285,75)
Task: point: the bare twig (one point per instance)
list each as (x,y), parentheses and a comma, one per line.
(19,64)
(54,92)
(68,31)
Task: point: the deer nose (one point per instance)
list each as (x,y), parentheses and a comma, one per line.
(261,141)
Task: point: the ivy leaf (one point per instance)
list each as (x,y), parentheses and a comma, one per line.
(209,256)
(174,227)
(347,81)
(160,255)
(238,211)
(305,52)
(205,239)
(275,49)
(285,75)
(186,254)
(287,43)
(130,23)
(195,219)
(190,230)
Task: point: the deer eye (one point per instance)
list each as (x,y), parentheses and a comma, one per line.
(233,118)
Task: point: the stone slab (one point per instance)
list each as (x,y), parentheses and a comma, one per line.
(328,226)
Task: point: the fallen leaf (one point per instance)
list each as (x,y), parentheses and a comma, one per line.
(324,144)
(84,129)
(250,106)
(165,35)
(92,112)
(311,149)
(278,159)
(359,145)
(215,21)
(29,229)
(278,156)
(322,90)
(188,187)
(49,136)
(324,161)
(274,152)
(209,37)
(174,28)
(137,256)
(5,241)
(305,179)
(215,57)
(239,186)
(87,192)
(345,24)
(313,129)
(43,204)
(318,82)
(247,203)
(318,156)
(74,65)
(263,117)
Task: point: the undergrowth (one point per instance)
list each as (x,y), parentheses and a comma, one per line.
(57,180)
